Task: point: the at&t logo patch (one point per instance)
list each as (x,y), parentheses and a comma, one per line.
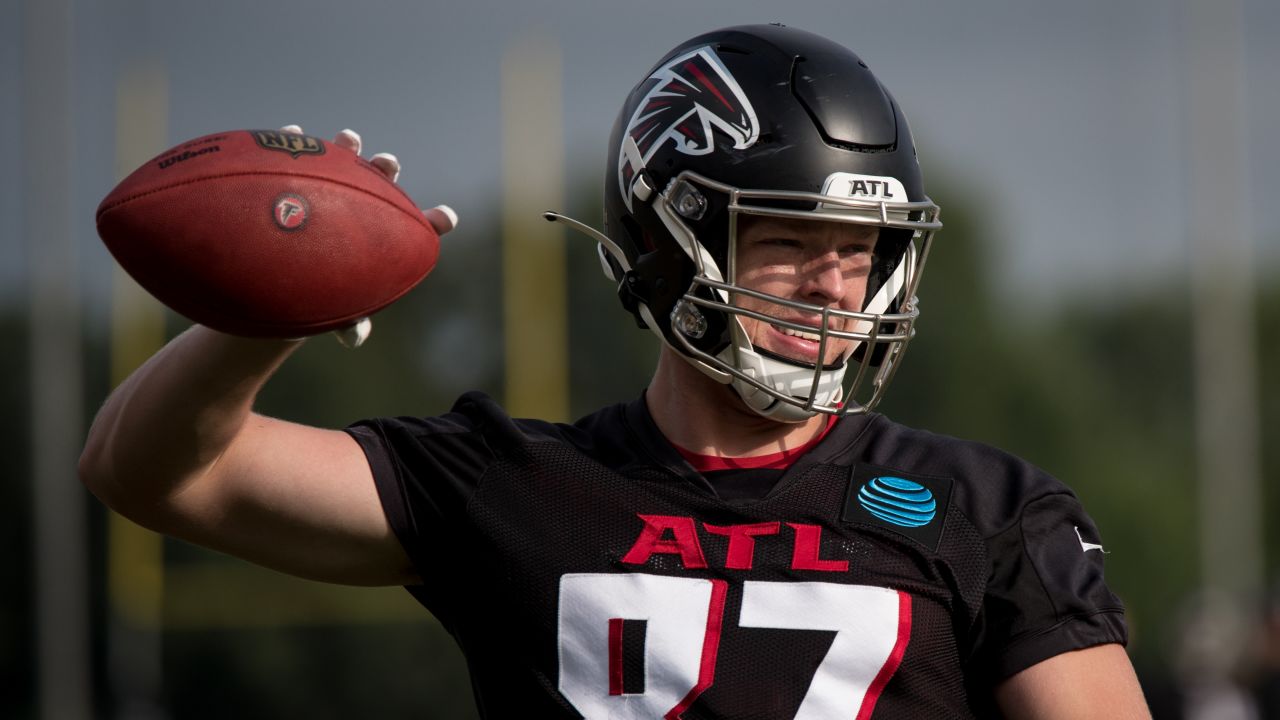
(290,211)
(898,501)
(908,504)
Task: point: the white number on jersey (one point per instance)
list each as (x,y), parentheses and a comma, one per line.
(683,619)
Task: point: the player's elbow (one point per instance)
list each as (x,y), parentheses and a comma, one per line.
(116,485)
(124,491)
(94,469)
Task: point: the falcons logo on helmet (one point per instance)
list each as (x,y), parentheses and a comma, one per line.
(689,96)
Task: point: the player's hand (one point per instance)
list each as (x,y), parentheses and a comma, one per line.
(441,217)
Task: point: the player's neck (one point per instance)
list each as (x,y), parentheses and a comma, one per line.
(702,416)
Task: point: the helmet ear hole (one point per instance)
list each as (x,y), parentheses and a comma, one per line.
(631,229)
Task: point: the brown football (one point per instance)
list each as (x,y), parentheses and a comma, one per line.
(267,233)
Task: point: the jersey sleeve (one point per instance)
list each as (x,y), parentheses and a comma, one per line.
(1046,594)
(425,471)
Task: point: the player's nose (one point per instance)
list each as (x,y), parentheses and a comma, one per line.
(824,281)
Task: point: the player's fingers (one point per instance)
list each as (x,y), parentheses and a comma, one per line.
(349,139)
(354,335)
(388,164)
(442,218)
(292,129)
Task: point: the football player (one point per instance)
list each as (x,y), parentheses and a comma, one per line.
(746,539)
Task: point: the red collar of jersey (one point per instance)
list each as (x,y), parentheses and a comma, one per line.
(772,461)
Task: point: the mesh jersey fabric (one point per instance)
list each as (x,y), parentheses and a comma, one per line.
(528,533)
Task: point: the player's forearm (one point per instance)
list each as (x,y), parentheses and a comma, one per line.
(171,420)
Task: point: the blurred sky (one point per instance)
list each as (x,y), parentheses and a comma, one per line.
(1063,123)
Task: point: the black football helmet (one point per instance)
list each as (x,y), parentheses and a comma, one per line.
(775,121)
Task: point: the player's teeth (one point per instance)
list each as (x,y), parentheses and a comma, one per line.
(800,334)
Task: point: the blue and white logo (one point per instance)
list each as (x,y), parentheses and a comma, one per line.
(897,501)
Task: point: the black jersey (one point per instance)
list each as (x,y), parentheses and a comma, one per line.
(588,570)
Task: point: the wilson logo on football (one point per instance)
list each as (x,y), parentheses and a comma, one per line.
(292,143)
(290,211)
(175,158)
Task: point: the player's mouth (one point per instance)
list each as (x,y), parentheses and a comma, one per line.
(815,337)
(802,345)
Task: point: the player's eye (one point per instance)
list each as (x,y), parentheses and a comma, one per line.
(857,249)
(781,242)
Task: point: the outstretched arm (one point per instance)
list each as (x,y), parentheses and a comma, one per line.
(1096,682)
(177,448)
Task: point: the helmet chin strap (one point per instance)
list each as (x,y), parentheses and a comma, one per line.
(787,378)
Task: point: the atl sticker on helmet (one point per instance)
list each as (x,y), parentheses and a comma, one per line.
(864,187)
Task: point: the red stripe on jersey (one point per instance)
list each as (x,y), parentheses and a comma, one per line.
(895,658)
(772,461)
(710,648)
(615,656)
